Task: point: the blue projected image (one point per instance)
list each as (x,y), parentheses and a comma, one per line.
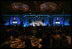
(46,22)
(7,23)
(66,22)
(17,20)
(6,20)
(25,23)
(60,20)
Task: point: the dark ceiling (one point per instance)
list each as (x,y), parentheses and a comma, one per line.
(64,7)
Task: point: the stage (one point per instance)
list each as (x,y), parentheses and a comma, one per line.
(32,20)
